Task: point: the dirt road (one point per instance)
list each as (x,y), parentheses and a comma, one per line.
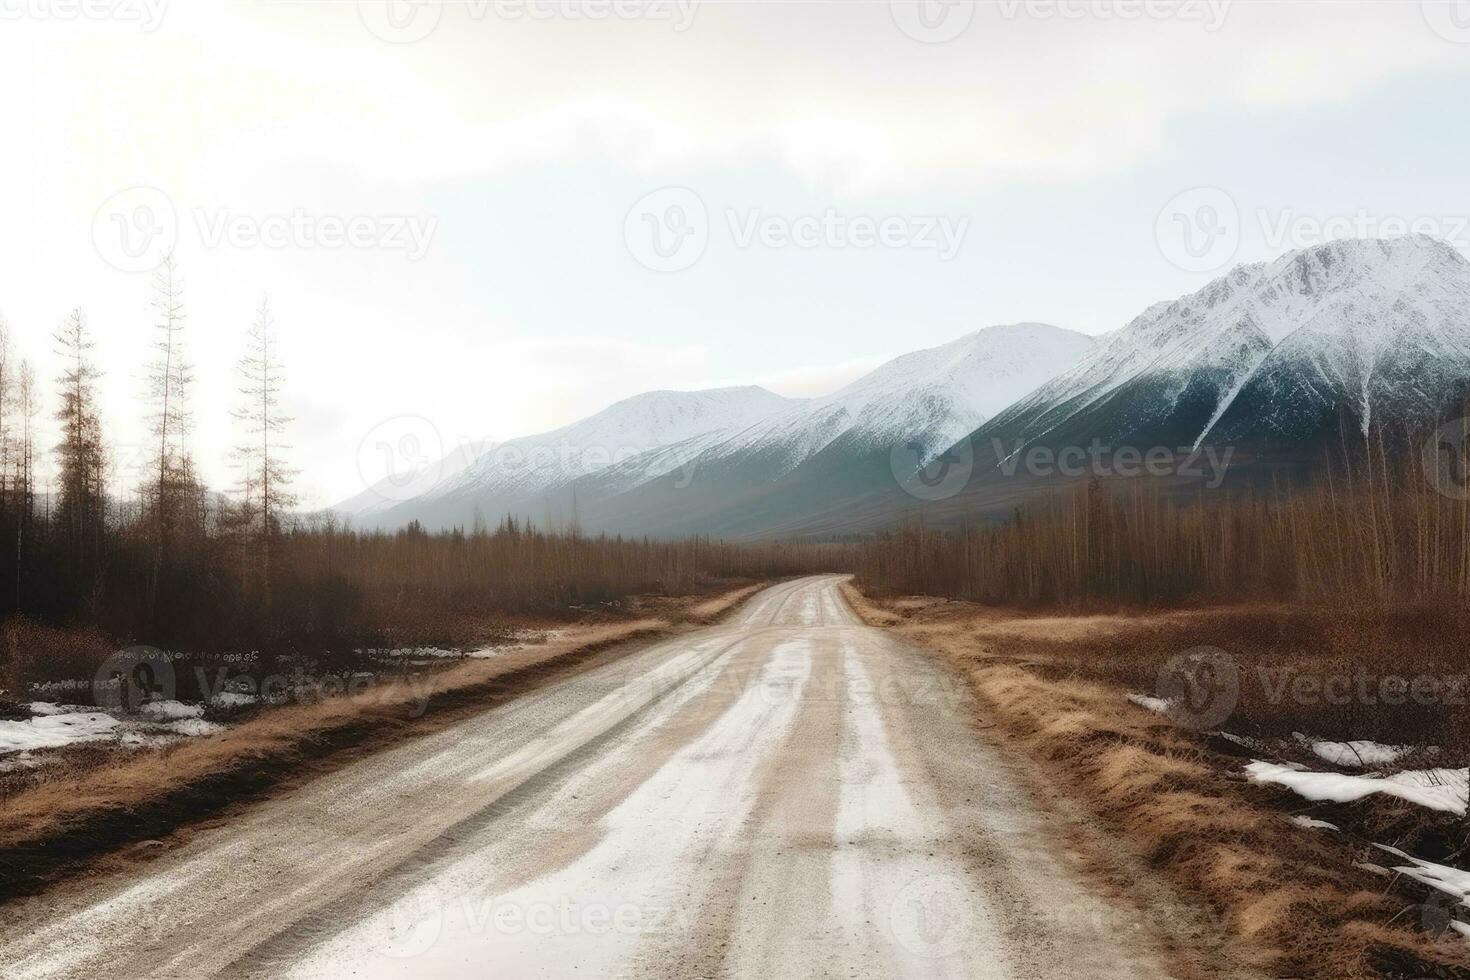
(788,794)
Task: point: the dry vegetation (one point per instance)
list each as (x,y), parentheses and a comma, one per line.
(1377,531)
(1293,899)
(337,593)
(99,803)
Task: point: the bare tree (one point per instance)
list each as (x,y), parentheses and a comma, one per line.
(24,480)
(265,484)
(174,488)
(80,510)
(7,397)
(169,378)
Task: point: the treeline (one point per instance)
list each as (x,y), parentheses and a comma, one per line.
(169,562)
(150,562)
(1377,526)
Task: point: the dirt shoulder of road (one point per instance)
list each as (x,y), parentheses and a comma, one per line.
(1293,901)
(108,815)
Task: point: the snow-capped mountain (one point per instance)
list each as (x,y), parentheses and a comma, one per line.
(1280,353)
(529,476)
(804,467)
(1275,360)
(936,395)
(734,460)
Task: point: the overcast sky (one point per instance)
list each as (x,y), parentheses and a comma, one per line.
(496,218)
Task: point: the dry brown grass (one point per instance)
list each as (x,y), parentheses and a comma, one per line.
(1378,529)
(1293,901)
(713,609)
(52,828)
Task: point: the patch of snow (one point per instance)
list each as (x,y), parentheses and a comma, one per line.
(1160,705)
(232,699)
(171,710)
(419,653)
(18,761)
(1450,881)
(1359,754)
(1313,824)
(193,727)
(1438,789)
(50,708)
(53,731)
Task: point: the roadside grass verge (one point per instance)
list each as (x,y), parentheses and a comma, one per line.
(102,804)
(1295,901)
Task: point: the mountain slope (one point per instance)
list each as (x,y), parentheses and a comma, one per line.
(808,467)
(531,476)
(1274,360)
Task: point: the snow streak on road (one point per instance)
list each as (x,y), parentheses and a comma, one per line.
(790,794)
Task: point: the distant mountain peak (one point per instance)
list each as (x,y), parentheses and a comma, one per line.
(1270,349)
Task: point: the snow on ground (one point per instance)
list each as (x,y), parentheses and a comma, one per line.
(1360,754)
(1159,705)
(1437,789)
(1450,881)
(54,726)
(193,726)
(232,699)
(18,761)
(1443,879)
(47,708)
(55,730)
(171,710)
(520,639)
(1313,824)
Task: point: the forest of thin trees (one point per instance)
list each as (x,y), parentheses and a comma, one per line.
(156,564)
(1372,528)
(172,563)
